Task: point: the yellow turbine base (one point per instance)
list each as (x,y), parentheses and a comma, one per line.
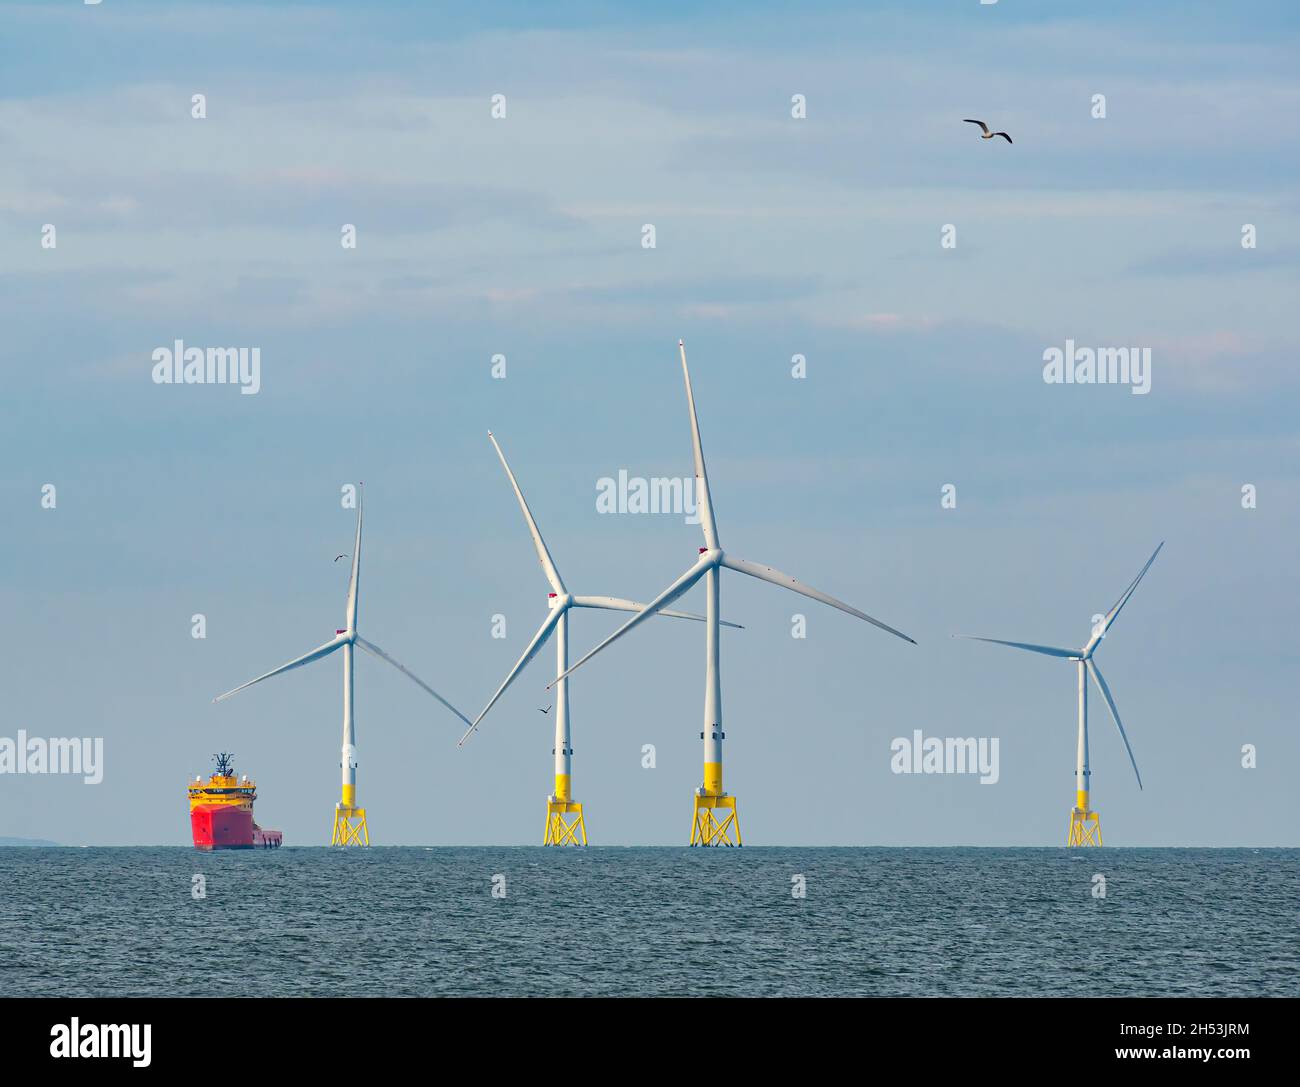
(1084,829)
(564,823)
(350,826)
(707,829)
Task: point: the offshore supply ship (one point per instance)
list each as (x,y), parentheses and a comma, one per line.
(221,811)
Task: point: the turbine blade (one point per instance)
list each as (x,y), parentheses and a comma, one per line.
(354,582)
(539,640)
(1049,650)
(766,573)
(676,589)
(1114,712)
(375,651)
(614,603)
(1113,614)
(297,662)
(543,555)
(703,498)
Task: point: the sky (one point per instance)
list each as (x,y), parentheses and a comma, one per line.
(523,236)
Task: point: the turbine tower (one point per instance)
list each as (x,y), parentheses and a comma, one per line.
(706,828)
(349,820)
(564,821)
(1085,822)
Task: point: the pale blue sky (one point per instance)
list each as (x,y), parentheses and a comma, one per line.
(775,237)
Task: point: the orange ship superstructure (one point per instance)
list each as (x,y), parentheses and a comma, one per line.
(221,811)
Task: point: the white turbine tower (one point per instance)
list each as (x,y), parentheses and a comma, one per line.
(1085,822)
(349,820)
(705,828)
(564,821)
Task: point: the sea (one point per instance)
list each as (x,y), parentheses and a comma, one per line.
(605,921)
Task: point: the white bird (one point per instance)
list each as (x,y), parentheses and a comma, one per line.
(987,134)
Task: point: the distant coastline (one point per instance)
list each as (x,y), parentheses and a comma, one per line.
(25,842)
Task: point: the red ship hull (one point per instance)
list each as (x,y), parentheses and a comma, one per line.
(220,827)
(217,826)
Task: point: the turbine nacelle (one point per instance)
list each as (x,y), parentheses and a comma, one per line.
(1087,652)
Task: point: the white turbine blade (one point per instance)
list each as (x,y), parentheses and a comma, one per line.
(704,500)
(297,662)
(676,589)
(539,640)
(1113,614)
(766,573)
(614,603)
(1049,650)
(543,555)
(1110,703)
(354,581)
(375,651)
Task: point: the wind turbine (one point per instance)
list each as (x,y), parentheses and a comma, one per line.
(349,820)
(1085,823)
(562,828)
(706,829)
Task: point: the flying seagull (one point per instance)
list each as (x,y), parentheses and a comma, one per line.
(987,134)
(540,710)
(337,557)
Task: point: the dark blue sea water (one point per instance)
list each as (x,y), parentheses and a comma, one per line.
(404,921)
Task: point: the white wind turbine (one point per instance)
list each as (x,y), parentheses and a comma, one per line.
(705,828)
(349,820)
(560,830)
(1085,823)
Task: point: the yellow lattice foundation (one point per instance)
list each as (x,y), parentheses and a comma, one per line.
(1084,829)
(564,823)
(707,829)
(350,826)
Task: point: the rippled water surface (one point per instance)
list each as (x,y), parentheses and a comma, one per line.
(409,921)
